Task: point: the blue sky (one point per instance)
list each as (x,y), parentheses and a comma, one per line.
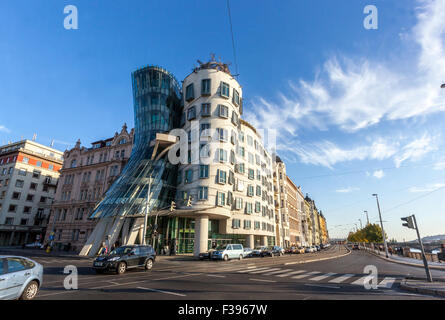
(357,111)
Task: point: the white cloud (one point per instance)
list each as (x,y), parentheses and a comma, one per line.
(427,188)
(327,153)
(4,129)
(347,190)
(440,165)
(379,174)
(353,94)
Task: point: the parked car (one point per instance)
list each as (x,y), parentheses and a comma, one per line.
(258,251)
(310,249)
(355,247)
(300,250)
(36,245)
(206,255)
(273,251)
(228,251)
(247,252)
(20,278)
(317,248)
(291,250)
(125,257)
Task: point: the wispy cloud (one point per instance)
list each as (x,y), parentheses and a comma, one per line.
(440,165)
(354,94)
(4,129)
(327,153)
(427,188)
(379,174)
(347,190)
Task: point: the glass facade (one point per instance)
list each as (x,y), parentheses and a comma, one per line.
(157,107)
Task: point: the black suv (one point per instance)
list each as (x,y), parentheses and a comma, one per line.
(125,257)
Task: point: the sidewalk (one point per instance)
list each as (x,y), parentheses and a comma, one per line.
(404,260)
(424,287)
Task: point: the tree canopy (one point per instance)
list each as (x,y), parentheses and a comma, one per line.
(370,233)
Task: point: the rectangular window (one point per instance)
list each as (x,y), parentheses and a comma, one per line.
(19,183)
(203,193)
(231,177)
(258,191)
(205,110)
(188,176)
(203,171)
(235,118)
(222,134)
(222,155)
(241,136)
(12,208)
(250,157)
(225,90)
(251,174)
(205,129)
(205,87)
(223,111)
(222,175)
(27,210)
(247,224)
(249,208)
(235,97)
(25,160)
(229,198)
(191,113)
(36,174)
(189,92)
(221,198)
(239,168)
(22,172)
(236,223)
(9,221)
(238,203)
(204,150)
(250,191)
(257,206)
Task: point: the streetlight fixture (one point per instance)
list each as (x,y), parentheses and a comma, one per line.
(361,226)
(443,86)
(381,224)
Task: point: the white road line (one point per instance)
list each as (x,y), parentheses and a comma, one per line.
(387,282)
(263,271)
(301,276)
(277,272)
(322,286)
(361,281)
(162,291)
(342,278)
(262,280)
(291,273)
(215,275)
(254,269)
(323,276)
(290,263)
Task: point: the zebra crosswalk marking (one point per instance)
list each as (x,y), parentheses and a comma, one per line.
(301,276)
(291,273)
(361,281)
(322,277)
(277,272)
(255,269)
(342,278)
(263,271)
(387,282)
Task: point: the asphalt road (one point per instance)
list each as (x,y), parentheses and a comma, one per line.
(280,278)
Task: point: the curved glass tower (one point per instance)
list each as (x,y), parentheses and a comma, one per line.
(157,97)
(157,108)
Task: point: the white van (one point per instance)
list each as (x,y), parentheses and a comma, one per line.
(228,251)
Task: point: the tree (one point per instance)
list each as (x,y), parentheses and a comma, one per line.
(370,233)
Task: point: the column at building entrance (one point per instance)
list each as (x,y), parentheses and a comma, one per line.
(201,235)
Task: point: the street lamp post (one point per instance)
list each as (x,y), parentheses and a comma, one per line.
(381,224)
(361,226)
(144,241)
(367,218)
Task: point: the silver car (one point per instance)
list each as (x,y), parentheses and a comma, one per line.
(20,278)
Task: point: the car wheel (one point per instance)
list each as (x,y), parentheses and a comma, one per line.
(148,264)
(121,268)
(30,291)
(241,257)
(98,271)
(226,257)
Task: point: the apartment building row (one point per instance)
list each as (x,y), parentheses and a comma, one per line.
(226,188)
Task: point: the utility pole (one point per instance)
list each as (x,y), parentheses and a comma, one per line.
(144,241)
(367,218)
(411,223)
(381,224)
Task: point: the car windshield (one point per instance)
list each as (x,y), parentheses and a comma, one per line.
(121,251)
(221,247)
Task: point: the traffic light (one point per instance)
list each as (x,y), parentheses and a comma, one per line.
(173,206)
(189,201)
(409,222)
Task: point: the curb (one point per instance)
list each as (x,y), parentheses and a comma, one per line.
(407,263)
(316,260)
(405,286)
